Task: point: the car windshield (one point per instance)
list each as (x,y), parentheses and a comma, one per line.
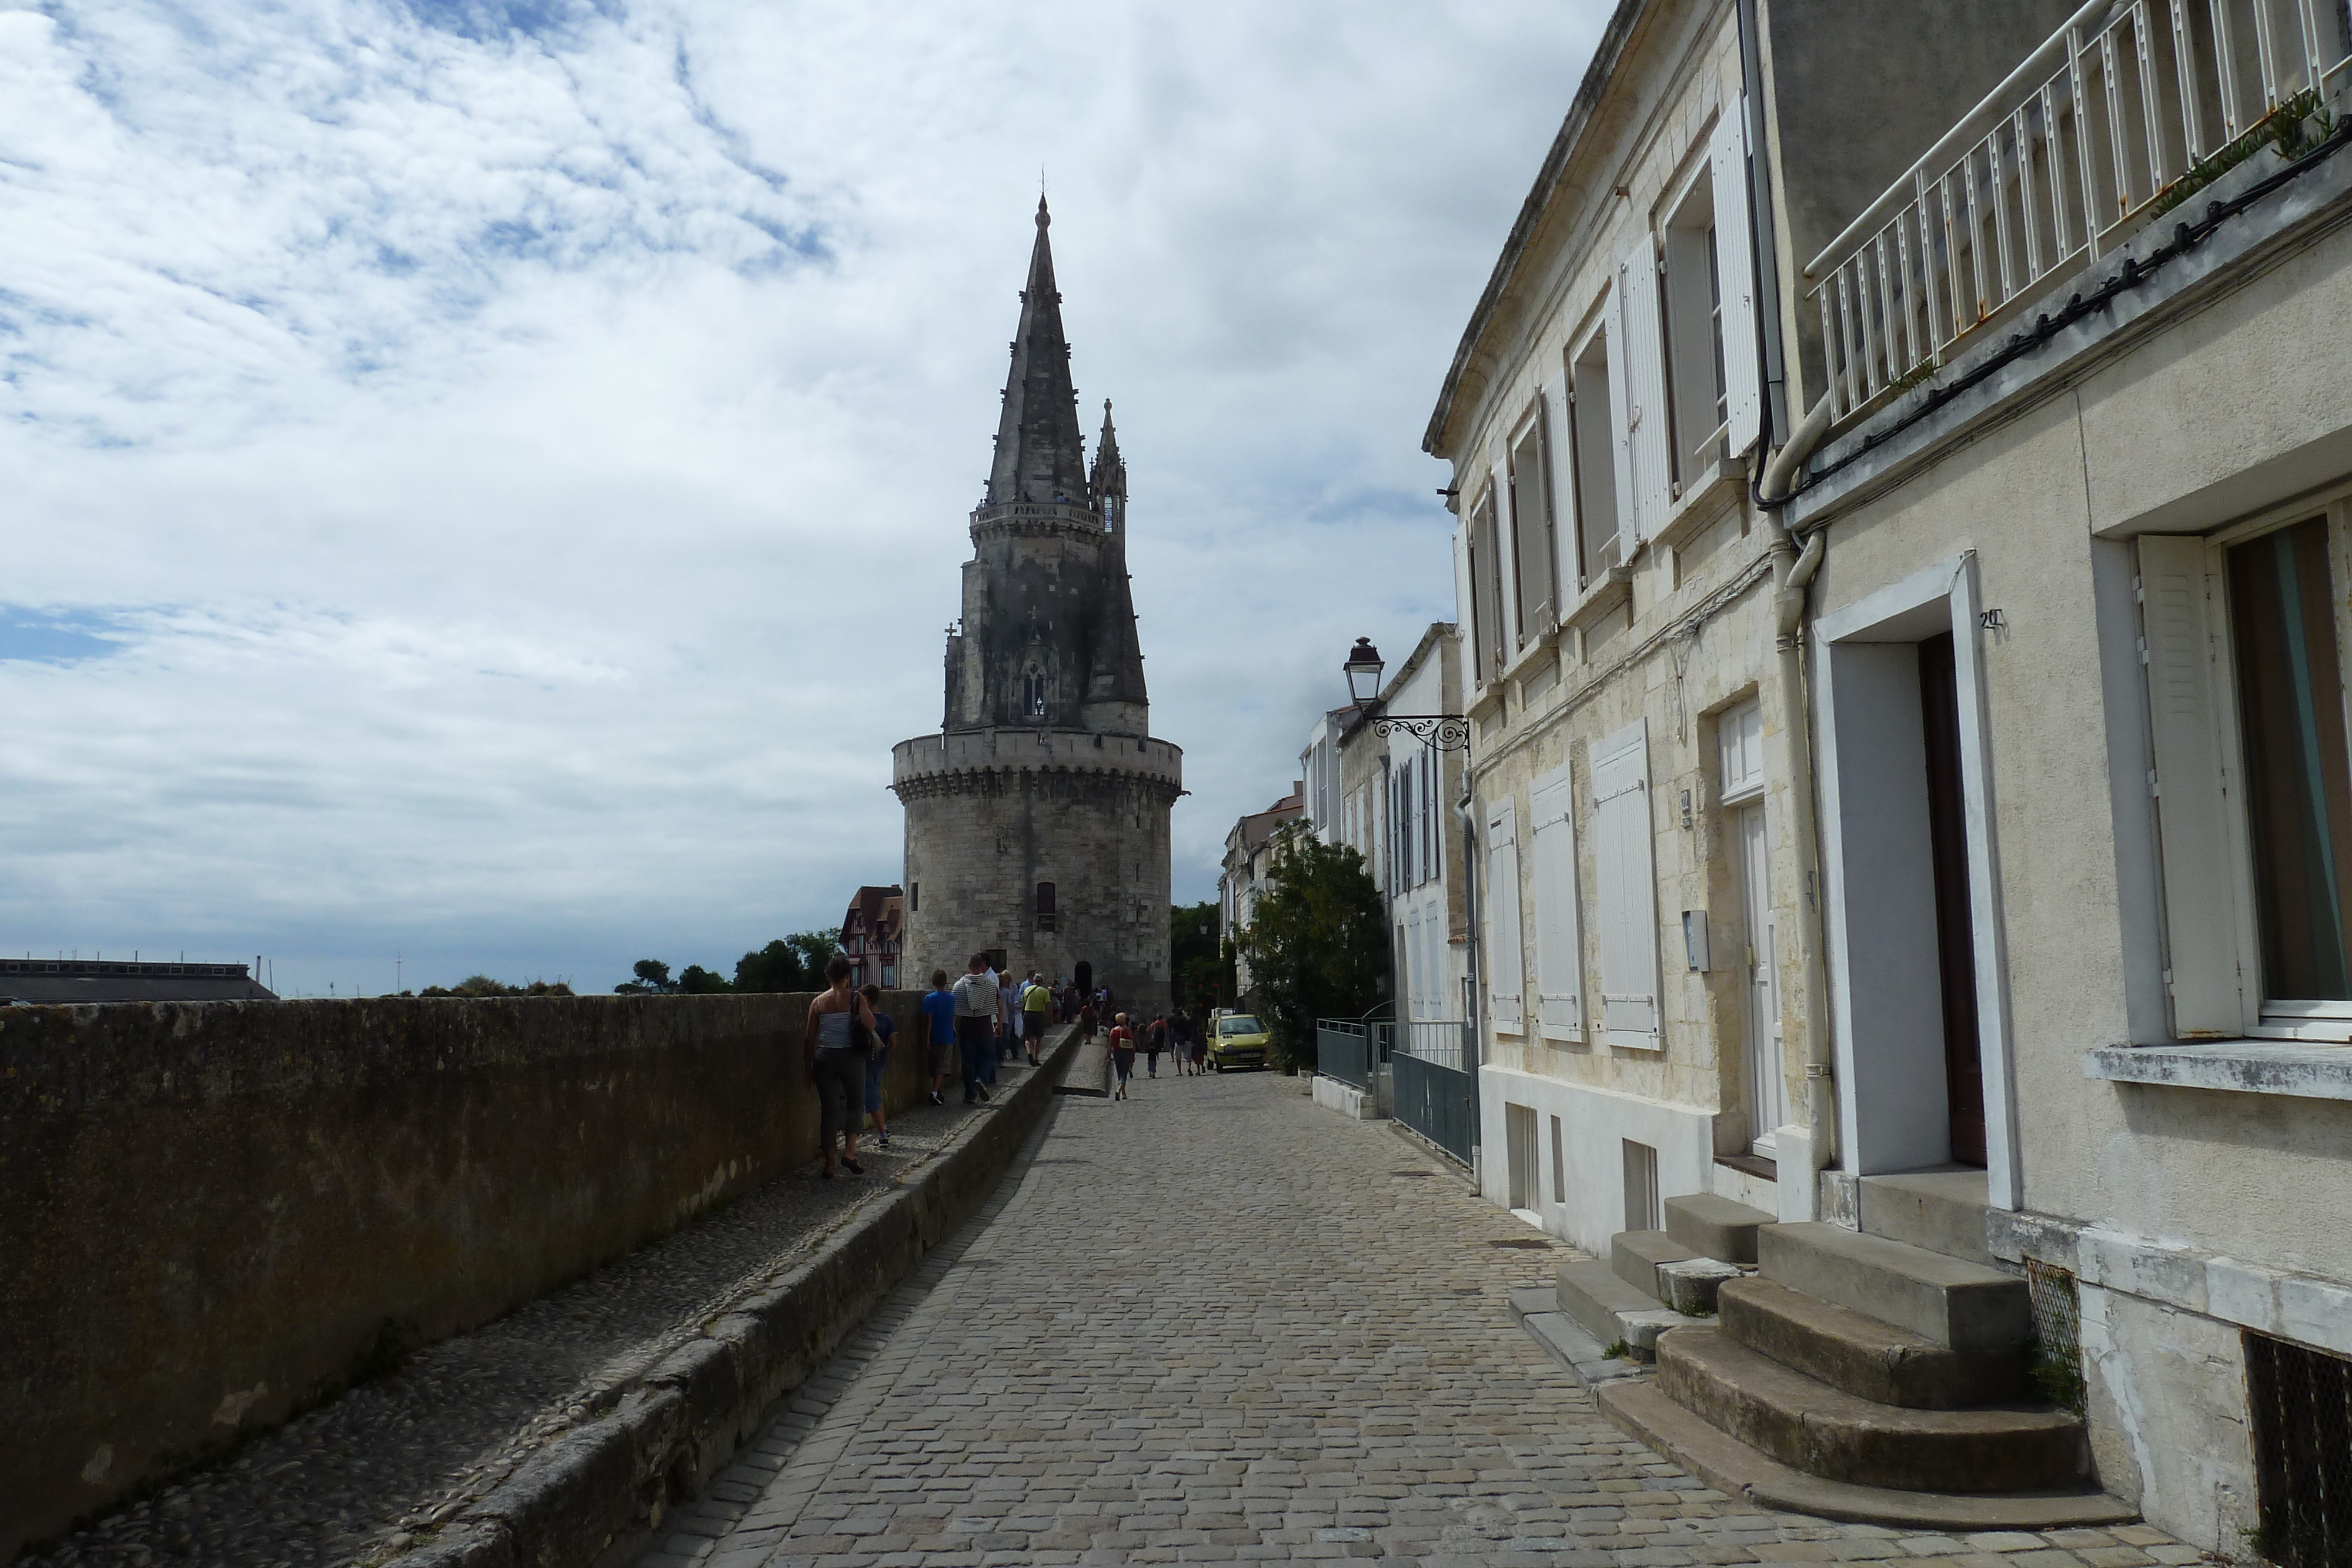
(1238,1026)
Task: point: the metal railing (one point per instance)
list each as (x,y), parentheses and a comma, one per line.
(1348,1049)
(1444,1041)
(1435,1100)
(2112,121)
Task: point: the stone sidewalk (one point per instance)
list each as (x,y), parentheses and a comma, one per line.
(1216,1323)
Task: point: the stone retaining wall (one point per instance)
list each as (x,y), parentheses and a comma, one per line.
(216,1213)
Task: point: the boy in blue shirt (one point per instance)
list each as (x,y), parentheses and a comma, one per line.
(940,1034)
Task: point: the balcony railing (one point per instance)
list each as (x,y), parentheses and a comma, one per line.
(2121,114)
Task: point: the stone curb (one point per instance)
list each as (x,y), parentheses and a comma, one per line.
(673,1429)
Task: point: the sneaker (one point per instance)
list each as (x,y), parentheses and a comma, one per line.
(936,1099)
(883,1138)
(854,1168)
(985,1094)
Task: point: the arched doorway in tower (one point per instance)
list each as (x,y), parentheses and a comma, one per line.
(1085,979)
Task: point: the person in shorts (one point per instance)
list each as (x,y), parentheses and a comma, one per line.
(1155,1041)
(1122,1054)
(1087,1022)
(940,1034)
(1008,1036)
(834,1064)
(1036,1003)
(1200,1052)
(885,1026)
(976,1006)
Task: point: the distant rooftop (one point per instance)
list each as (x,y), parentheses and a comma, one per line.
(45,981)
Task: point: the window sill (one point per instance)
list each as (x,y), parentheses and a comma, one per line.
(1706,497)
(2304,1069)
(1601,594)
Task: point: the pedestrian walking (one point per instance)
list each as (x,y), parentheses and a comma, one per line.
(976,1006)
(1200,1052)
(1087,1020)
(1122,1054)
(834,1044)
(1035,1003)
(886,1027)
(940,1034)
(1155,1041)
(1008,1034)
(1180,1035)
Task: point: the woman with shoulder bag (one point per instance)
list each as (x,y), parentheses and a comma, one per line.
(838,1039)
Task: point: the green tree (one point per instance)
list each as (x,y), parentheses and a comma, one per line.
(1316,942)
(483,985)
(695,980)
(794,963)
(1199,961)
(653,976)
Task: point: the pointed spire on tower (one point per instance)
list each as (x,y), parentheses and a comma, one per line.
(1110,477)
(1040,453)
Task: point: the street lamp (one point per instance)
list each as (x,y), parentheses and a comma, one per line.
(1363,667)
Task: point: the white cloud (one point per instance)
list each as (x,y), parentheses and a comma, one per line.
(527,448)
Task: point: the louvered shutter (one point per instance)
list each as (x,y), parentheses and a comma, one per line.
(1625,904)
(1735,271)
(2199,913)
(1559,958)
(1620,460)
(1506,566)
(1565,569)
(1642,415)
(1506,961)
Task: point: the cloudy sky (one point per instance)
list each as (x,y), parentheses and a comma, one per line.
(484,483)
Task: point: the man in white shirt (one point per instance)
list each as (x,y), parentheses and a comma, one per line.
(975,1013)
(1008,1039)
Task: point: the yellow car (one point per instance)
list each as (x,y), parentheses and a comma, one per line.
(1238,1041)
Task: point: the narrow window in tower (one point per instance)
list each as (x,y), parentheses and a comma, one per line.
(1034,698)
(1045,907)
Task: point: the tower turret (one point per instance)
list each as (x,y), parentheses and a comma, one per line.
(1037,818)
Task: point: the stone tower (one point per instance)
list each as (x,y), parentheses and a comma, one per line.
(1037,816)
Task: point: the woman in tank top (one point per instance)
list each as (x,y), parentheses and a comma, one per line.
(836,1065)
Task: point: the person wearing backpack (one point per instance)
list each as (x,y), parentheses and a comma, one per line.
(834,1043)
(976,1006)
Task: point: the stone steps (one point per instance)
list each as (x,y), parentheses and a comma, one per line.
(1860,1355)
(1608,1309)
(1941,1210)
(1960,1304)
(1636,1254)
(1737,1470)
(1825,1431)
(1713,1227)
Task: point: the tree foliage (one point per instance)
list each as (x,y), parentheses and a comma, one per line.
(1317,942)
(794,963)
(483,985)
(1202,969)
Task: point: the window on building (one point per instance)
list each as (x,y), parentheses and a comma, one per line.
(1694,331)
(1625,895)
(1045,907)
(1033,693)
(1533,550)
(1591,425)
(2243,636)
(1559,957)
(1489,640)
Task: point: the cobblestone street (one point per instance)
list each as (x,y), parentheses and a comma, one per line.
(1217,1324)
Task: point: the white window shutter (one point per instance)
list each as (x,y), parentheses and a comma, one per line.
(1625,904)
(1566,571)
(1620,460)
(1735,271)
(1559,957)
(1415,981)
(1506,960)
(2191,798)
(1644,419)
(1506,564)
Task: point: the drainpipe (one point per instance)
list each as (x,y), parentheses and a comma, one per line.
(1470,1037)
(1797,567)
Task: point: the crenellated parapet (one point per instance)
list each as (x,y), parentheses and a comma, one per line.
(994,762)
